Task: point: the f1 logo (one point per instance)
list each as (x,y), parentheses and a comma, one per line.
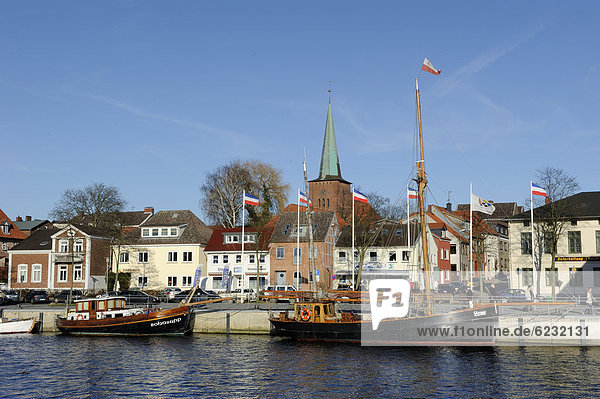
(389,298)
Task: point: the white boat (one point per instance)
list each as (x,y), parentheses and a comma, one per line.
(17,326)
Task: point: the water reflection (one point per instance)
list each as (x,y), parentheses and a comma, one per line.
(261,366)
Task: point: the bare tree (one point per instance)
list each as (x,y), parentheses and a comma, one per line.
(385,208)
(98,203)
(552,217)
(222,192)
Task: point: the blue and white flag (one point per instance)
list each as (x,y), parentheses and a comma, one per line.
(250,199)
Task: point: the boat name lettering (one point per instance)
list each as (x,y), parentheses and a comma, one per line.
(162,323)
(478,313)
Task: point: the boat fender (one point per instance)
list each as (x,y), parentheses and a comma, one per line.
(305,314)
(79,317)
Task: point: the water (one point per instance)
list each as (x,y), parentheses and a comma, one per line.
(261,366)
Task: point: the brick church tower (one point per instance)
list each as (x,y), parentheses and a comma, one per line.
(330,192)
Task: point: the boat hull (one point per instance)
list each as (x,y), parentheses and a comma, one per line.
(18,326)
(410,331)
(177,321)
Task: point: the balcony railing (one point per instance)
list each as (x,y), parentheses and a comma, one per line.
(67,257)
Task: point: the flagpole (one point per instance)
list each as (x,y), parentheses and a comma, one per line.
(532,246)
(471,235)
(352,255)
(408,225)
(243,223)
(298,245)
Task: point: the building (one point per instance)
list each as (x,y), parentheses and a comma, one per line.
(29,225)
(288,258)
(578,248)
(165,250)
(10,235)
(228,268)
(74,256)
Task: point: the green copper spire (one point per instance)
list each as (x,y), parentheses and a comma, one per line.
(330,162)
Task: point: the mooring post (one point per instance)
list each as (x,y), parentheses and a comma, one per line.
(228,323)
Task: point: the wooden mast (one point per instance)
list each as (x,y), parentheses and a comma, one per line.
(311,260)
(421,184)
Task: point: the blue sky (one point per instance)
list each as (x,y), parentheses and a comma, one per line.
(149,96)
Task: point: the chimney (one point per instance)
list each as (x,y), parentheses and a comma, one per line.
(149,210)
(19,219)
(449,207)
(28,218)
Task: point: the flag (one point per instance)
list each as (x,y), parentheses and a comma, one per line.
(537,190)
(358,196)
(481,205)
(302,200)
(428,67)
(412,193)
(250,199)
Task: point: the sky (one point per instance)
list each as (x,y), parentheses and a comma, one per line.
(149,96)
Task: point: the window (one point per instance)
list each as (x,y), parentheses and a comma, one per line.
(154,232)
(164,231)
(171,256)
(232,238)
(392,256)
(262,259)
(342,256)
(575,277)
(63,246)
(598,241)
(372,256)
(526,223)
(215,259)
(187,256)
(142,281)
(573,222)
(549,276)
(574,242)
(186,281)
(303,230)
(297,256)
(251,259)
(280,251)
(172,281)
(4,246)
(238,259)
(527,276)
(225,259)
(297,279)
(124,257)
(249,238)
(78,245)
(452,249)
(445,254)
(286,229)
(5,228)
(217,283)
(173,231)
(525,243)
(405,256)
(22,274)
(143,257)
(77,273)
(145,232)
(62,273)
(36,273)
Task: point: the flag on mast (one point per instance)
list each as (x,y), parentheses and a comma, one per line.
(412,193)
(481,205)
(358,196)
(302,199)
(428,67)
(537,190)
(250,199)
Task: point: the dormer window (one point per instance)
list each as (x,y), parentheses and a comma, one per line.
(249,238)
(173,231)
(232,238)
(164,231)
(302,231)
(5,227)
(145,232)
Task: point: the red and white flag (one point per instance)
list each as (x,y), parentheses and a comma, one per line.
(250,199)
(537,190)
(302,199)
(428,67)
(412,193)
(358,196)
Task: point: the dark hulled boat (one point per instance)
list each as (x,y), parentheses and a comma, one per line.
(110,316)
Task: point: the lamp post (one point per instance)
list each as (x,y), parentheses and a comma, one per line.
(107,267)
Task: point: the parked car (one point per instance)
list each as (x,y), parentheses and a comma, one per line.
(169,293)
(199,296)
(135,296)
(512,295)
(36,296)
(11,296)
(278,291)
(246,294)
(63,296)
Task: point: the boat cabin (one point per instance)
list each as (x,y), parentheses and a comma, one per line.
(103,308)
(315,312)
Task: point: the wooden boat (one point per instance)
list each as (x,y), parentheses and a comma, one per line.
(18,326)
(110,316)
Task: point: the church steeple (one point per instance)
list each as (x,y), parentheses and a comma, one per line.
(330,162)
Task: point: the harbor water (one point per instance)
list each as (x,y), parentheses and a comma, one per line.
(240,366)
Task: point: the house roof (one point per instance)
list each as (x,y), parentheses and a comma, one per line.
(584,205)
(390,235)
(217,240)
(194,232)
(287,221)
(14,232)
(40,240)
(28,225)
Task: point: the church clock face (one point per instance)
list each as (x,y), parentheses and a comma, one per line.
(323,192)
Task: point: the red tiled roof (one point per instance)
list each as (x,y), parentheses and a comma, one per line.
(14,231)
(217,242)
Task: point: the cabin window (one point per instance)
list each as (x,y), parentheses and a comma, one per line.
(85,305)
(317,310)
(111,303)
(392,256)
(79,306)
(101,305)
(325,310)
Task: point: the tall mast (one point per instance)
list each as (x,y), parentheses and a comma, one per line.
(421,184)
(311,260)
